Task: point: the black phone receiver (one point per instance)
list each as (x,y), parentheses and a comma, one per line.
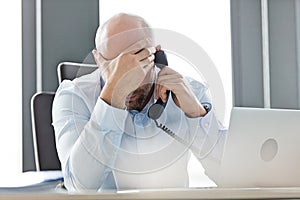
(160,59)
(156,109)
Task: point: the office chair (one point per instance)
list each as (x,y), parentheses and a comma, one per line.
(46,157)
(70,70)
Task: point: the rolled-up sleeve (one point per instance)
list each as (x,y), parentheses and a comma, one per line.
(87,139)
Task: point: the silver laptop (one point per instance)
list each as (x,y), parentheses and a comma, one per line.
(262,149)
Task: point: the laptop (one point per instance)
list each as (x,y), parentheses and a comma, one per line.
(262,149)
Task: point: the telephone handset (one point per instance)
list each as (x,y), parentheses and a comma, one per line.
(156,109)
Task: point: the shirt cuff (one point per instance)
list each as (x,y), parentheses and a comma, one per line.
(207,121)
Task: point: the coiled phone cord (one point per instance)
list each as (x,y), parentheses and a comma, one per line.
(185,143)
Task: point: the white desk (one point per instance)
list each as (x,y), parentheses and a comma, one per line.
(210,193)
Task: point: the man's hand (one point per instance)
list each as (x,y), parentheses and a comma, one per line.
(125,73)
(182,95)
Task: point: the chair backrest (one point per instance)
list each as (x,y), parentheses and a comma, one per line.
(46,157)
(71,70)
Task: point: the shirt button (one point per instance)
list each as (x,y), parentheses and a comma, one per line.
(206,124)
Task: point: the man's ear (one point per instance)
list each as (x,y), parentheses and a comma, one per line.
(96,57)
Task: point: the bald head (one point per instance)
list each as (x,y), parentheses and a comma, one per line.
(119,33)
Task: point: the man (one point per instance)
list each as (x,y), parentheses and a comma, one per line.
(105,139)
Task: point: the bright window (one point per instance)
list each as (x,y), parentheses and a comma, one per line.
(11,88)
(205,22)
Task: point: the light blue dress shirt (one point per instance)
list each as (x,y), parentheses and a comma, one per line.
(102,147)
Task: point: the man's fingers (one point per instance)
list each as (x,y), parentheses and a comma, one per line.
(167,70)
(145,53)
(167,75)
(148,66)
(161,92)
(169,78)
(147,61)
(138,46)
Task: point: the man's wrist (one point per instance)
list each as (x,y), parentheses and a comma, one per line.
(202,110)
(113,98)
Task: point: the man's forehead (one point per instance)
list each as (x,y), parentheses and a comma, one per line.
(121,24)
(113,45)
(119,33)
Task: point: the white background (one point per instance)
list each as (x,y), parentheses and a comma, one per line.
(11,88)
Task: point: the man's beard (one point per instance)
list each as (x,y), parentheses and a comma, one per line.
(139,98)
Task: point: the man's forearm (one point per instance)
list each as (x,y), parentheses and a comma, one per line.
(112,97)
(198,111)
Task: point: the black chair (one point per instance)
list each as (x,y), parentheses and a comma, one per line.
(46,157)
(71,70)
